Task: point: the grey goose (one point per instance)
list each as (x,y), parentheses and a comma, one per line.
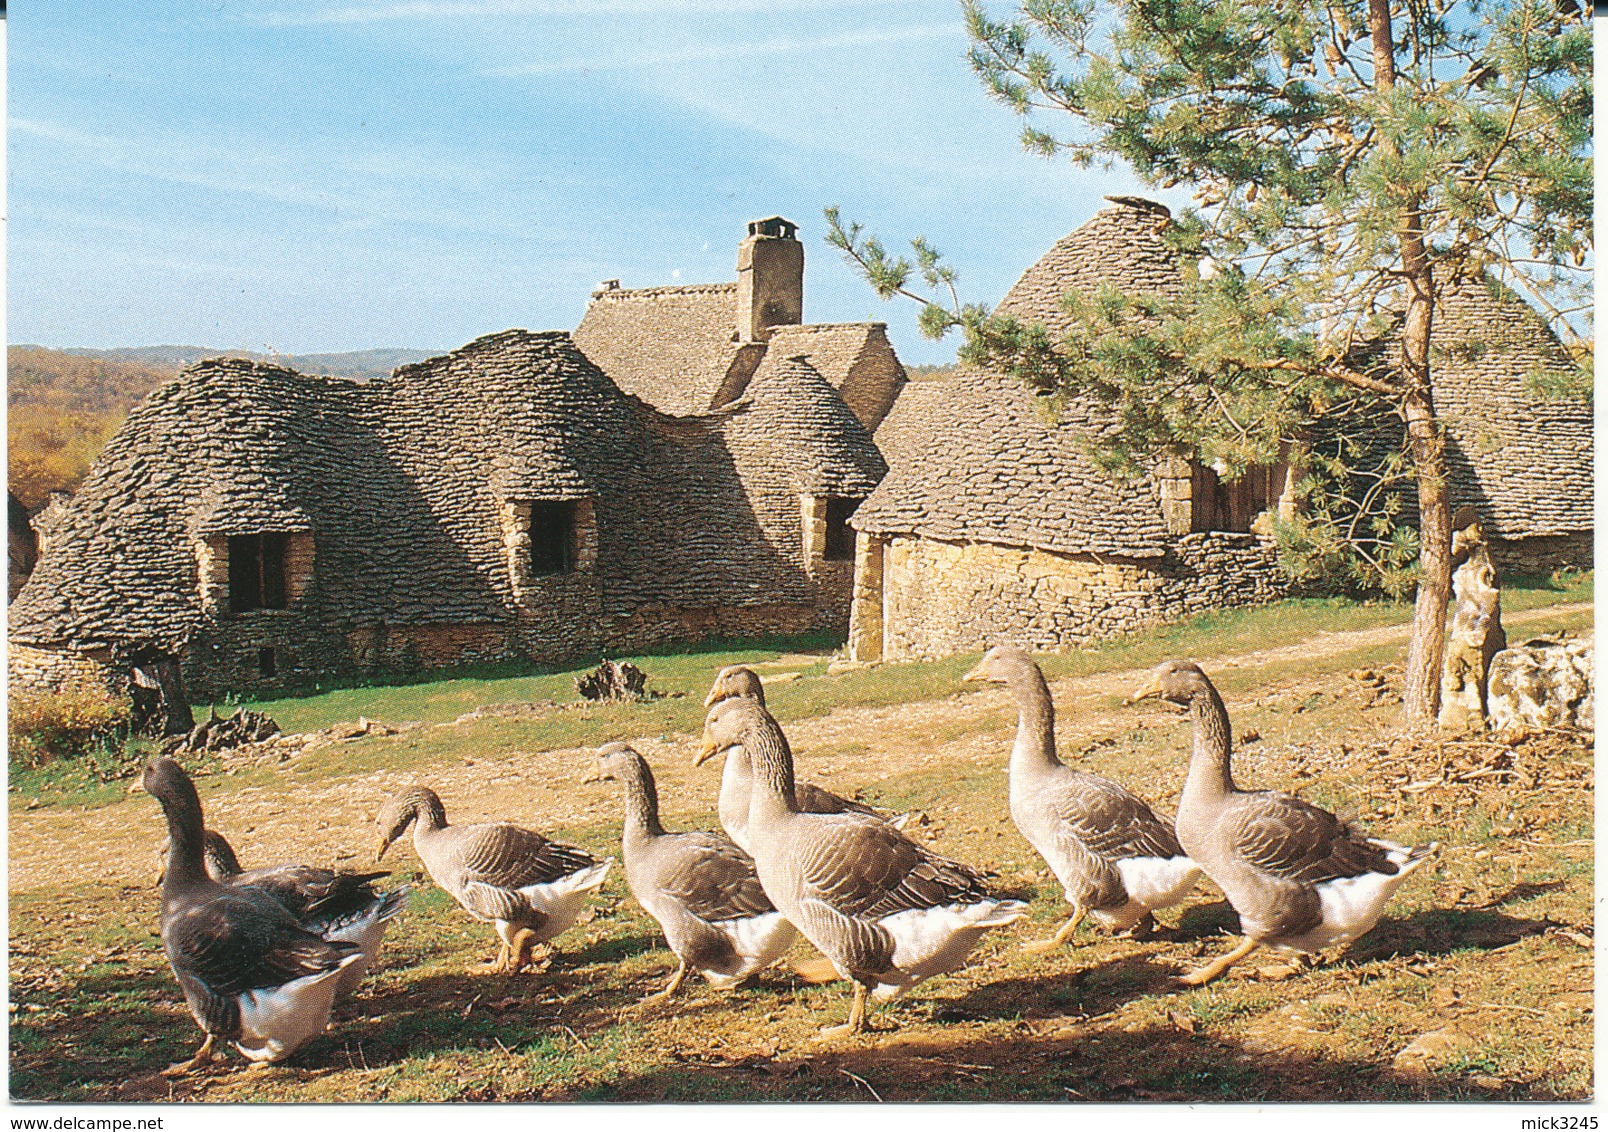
(1299,877)
(886,912)
(1116,860)
(700,887)
(736,777)
(251,974)
(334,904)
(526,886)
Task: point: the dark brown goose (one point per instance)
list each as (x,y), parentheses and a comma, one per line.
(884,911)
(251,974)
(736,779)
(529,888)
(1116,860)
(701,888)
(1299,877)
(336,905)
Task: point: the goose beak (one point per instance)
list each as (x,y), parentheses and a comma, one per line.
(1151,687)
(595,776)
(385,843)
(716,694)
(706,751)
(976,675)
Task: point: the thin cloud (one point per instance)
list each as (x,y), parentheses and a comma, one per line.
(470,9)
(723,52)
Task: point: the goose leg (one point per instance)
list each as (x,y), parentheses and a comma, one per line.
(856,1022)
(519,957)
(672,986)
(1042,946)
(493,966)
(1215,968)
(203,1056)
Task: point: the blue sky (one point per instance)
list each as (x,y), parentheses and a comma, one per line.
(309,176)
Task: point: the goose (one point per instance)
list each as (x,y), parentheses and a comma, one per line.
(1299,877)
(885,912)
(736,779)
(335,905)
(701,888)
(1116,860)
(251,974)
(529,888)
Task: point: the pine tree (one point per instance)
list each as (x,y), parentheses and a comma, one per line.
(1349,160)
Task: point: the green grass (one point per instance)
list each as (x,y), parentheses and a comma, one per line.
(684,677)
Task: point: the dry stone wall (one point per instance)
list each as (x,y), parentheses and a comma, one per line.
(940,598)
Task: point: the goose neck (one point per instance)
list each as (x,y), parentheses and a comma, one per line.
(186,840)
(1210,765)
(771,759)
(641,800)
(429,815)
(1034,749)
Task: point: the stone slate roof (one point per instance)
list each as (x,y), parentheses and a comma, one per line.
(670,346)
(979,457)
(1120,246)
(805,423)
(401,479)
(849,355)
(1525,461)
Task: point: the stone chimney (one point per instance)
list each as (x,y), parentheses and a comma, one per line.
(770,279)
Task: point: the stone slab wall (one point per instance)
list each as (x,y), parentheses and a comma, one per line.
(657,626)
(403,647)
(1542,554)
(52,670)
(940,598)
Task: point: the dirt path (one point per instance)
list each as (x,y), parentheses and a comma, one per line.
(329,819)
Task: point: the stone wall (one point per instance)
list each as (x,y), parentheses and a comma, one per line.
(658,626)
(939,598)
(1542,554)
(392,648)
(53,670)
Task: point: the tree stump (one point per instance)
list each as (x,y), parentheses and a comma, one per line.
(613,681)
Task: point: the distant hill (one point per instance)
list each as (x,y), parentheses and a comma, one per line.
(361,365)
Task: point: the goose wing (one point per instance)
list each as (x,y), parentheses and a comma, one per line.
(245,940)
(814,800)
(306,890)
(1285,837)
(865,868)
(710,877)
(495,859)
(1109,820)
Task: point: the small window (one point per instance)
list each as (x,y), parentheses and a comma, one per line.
(1231,505)
(552,538)
(267,662)
(257,572)
(839,535)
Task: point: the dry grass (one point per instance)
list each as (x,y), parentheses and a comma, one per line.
(1489,953)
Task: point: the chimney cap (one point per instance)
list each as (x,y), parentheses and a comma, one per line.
(774,226)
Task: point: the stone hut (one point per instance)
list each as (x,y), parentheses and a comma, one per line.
(689,349)
(1521,459)
(994,522)
(263,527)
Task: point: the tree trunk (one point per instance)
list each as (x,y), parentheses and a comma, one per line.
(1421,690)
